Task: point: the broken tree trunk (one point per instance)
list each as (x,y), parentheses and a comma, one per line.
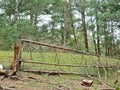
(16,51)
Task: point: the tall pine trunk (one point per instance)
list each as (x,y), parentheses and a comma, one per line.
(84,30)
(72,25)
(106,45)
(94,41)
(65,23)
(98,35)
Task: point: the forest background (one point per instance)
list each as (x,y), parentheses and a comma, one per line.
(87,25)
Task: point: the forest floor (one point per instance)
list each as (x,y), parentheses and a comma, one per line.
(31,81)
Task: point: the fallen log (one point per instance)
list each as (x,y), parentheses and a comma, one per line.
(52,72)
(67,65)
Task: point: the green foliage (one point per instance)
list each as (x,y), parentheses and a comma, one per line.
(25,29)
(10,34)
(24,23)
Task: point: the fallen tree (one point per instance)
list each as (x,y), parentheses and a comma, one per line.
(52,72)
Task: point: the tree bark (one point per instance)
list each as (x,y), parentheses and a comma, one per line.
(31,16)
(72,25)
(65,22)
(106,45)
(35,21)
(52,30)
(98,35)
(95,45)
(84,30)
(16,11)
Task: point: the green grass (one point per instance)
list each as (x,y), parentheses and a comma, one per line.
(59,58)
(6,58)
(5,55)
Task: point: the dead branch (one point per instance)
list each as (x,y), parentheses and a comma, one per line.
(68,65)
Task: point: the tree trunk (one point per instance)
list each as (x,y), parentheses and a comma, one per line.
(31,16)
(95,45)
(98,35)
(106,45)
(35,21)
(84,30)
(93,36)
(52,32)
(16,11)
(112,46)
(72,25)
(65,22)
(98,40)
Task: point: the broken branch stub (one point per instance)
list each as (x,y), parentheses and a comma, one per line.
(86,82)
